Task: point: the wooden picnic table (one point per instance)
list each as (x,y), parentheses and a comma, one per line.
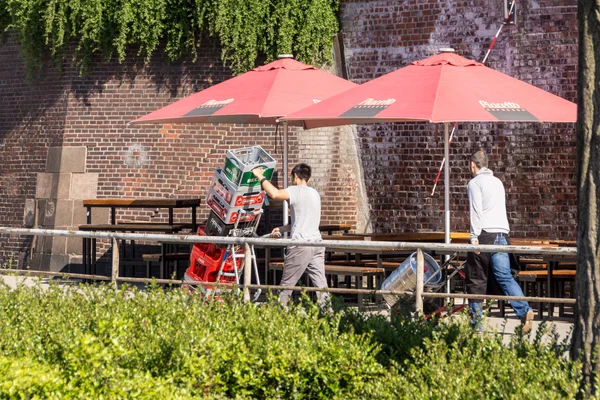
(89,247)
(330,228)
(429,237)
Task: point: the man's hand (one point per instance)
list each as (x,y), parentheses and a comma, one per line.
(258,173)
(276,233)
(475,241)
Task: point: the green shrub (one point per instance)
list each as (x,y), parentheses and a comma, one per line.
(87,342)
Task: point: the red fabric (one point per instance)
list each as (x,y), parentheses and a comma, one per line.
(442,88)
(259,96)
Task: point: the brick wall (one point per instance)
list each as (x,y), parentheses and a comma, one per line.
(399,162)
(144,161)
(535,161)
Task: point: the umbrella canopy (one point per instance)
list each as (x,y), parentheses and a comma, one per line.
(442,88)
(259,96)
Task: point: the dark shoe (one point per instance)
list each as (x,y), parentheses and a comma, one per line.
(527,322)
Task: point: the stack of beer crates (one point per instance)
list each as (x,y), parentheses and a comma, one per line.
(235,198)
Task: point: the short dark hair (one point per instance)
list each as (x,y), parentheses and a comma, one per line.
(480,159)
(302,171)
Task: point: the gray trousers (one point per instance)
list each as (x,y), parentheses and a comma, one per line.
(304,259)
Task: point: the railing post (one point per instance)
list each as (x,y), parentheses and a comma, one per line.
(115,261)
(419,289)
(247,271)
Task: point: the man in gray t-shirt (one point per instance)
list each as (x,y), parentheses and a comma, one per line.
(305,205)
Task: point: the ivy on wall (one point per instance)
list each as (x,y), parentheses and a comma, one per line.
(246,29)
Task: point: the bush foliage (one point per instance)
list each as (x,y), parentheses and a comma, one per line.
(83,342)
(244,28)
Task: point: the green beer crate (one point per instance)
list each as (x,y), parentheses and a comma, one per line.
(239,164)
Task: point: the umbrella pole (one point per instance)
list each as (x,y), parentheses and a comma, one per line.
(446,186)
(285,171)
(447,196)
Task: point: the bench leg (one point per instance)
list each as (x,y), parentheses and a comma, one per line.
(348,281)
(378,281)
(93,253)
(560,294)
(540,304)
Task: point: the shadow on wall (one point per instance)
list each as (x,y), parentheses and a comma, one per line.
(163,75)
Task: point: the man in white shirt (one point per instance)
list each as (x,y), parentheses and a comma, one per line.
(305,206)
(489,225)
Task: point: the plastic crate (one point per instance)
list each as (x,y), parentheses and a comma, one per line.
(227,213)
(216,227)
(239,164)
(234,196)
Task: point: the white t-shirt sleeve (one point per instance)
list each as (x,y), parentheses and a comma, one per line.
(292,193)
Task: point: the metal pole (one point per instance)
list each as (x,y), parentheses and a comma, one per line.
(115,261)
(447,196)
(419,288)
(447,186)
(247,272)
(285,170)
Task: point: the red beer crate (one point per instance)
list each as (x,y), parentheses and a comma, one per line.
(236,196)
(227,213)
(205,261)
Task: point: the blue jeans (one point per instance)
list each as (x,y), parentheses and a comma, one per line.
(500,267)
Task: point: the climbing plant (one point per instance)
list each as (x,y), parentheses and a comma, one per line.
(246,29)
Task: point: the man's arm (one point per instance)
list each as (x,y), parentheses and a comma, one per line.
(475,206)
(269,188)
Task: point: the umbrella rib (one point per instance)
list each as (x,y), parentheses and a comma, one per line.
(437,92)
(262,109)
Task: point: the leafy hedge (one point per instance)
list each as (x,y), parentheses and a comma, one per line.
(244,28)
(82,342)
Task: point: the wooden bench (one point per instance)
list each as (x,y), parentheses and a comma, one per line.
(373,275)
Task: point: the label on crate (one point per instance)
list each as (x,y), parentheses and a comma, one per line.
(237,199)
(216,227)
(235,174)
(227,213)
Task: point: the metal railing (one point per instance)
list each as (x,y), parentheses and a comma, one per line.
(340,245)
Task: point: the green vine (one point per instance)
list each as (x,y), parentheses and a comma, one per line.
(246,29)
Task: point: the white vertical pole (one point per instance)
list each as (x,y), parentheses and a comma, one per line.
(419,288)
(447,195)
(115,262)
(247,271)
(446,186)
(285,170)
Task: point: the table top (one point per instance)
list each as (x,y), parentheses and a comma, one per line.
(142,202)
(413,236)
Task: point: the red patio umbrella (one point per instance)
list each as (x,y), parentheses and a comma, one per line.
(259,96)
(442,88)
